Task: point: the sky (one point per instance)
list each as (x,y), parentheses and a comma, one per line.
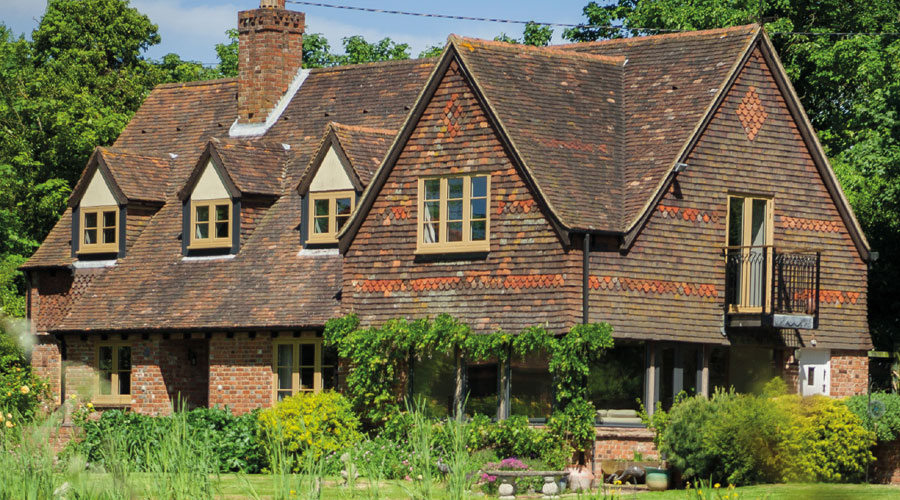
(191,29)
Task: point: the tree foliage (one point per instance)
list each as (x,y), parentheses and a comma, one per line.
(848,85)
(535,34)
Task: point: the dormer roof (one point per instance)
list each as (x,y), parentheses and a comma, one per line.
(131,175)
(360,150)
(246,167)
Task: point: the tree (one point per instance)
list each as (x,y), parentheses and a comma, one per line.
(535,34)
(848,85)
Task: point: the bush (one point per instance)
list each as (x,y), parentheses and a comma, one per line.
(745,439)
(323,423)
(887,428)
(21,391)
(232,438)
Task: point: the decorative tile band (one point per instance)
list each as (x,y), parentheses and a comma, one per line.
(688,214)
(515,207)
(468,281)
(653,286)
(825,226)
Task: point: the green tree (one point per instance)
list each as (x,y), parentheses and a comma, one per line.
(848,85)
(535,34)
(228,54)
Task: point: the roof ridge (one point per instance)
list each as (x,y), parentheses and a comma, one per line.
(649,38)
(196,83)
(362,66)
(360,128)
(551,50)
(133,152)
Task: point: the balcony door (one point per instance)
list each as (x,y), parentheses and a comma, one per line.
(749,243)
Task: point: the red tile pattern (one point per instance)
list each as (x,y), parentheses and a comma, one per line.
(470,281)
(827,226)
(751,113)
(688,214)
(613,283)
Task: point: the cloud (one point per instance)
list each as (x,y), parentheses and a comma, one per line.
(21,17)
(191,31)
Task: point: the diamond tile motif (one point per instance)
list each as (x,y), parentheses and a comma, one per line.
(453,113)
(752,113)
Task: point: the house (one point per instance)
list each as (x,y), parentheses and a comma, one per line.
(669,185)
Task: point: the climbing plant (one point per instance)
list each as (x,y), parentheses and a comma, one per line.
(380,355)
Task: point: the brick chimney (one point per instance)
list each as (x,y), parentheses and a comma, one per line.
(270,52)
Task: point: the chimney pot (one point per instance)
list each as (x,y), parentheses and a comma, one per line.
(271,4)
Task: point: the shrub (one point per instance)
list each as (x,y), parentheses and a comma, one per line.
(887,428)
(21,391)
(323,423)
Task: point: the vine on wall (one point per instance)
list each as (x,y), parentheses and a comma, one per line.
(379,357)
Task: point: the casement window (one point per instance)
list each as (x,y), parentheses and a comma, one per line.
(328,212)
(748,243)
(99,230)
(453,214)
(531,386)
(211,224)
(113,373)
(302,365)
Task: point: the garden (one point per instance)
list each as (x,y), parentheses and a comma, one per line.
(369,442)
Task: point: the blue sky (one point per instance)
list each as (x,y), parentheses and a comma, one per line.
(192,28)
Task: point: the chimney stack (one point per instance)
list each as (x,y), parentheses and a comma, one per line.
(270,53)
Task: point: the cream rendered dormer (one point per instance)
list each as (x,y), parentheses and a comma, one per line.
(330,200)
(98,218)
(210,210)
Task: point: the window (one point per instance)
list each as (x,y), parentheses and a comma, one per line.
(531,386)
(99,230)
(434,383)
(114,373)
(453,214)
(211,224)
(748,240)
(302,365)
(482,385)
(328,214)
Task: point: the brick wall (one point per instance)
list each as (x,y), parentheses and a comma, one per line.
(790,371)
(46,361)
(527,278)
(240,371)
(620,443)
(670,284)
(887,463)
(849,373)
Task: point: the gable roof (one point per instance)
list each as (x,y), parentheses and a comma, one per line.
(133,175)
(597,128)
(248,166)
(359,148)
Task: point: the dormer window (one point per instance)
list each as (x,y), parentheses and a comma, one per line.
(453,214)
(211,224)
(99,229)
(329,211)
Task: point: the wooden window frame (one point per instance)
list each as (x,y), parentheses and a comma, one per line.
(99,247)
(332,197)
(212,241)
(746,234)
(114,398)
(467,244)
(318,365)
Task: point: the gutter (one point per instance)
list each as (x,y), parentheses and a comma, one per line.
(585,280)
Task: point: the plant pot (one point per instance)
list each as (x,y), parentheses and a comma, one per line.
(579,479)
(657,479)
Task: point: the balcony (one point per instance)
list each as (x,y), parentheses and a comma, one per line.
(771,287)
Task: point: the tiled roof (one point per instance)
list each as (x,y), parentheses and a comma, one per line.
(137,175)
(268,284)
(365,147)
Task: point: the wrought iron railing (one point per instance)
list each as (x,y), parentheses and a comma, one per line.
(766,280)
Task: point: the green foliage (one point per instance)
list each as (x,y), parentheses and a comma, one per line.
(322,424)
(228,54)
(745,439)
(317,51)
(21,391)
(535,34)
(433,51)
(231,438)
(847,85)
(886,428)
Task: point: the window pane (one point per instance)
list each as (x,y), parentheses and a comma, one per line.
(455,210)
(342,206)
(455,188)
(479,230)
(329,377)
(321,207)
(221,229)
(307,354)
(479,208)
(454,231)
(285,355)
(105,361)
(306,379)
(124,383)
(90,219)
(433,189)
(689,362)
(482,383)
(109,235)
(758,228)
(617,379)
(90,236)
(434,382)
(430,231)
(202,214)
(718,368)
(221,212)
(202,231)
(109,219)
(666,365)
(321,225)
(284,378)
(339,222)
(105,383)
(530,392)
(479,187)
(124,358)
(736,222)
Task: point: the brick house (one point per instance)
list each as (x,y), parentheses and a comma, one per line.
(670,185)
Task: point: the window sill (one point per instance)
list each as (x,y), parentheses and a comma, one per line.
(106,249)
(112,401)
(219,245)
(453,248)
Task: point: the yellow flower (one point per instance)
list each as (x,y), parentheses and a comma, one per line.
(9,424)
(90,405)
(9,415)
(716,485)
(1,417)
(618,482)
(25,389)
